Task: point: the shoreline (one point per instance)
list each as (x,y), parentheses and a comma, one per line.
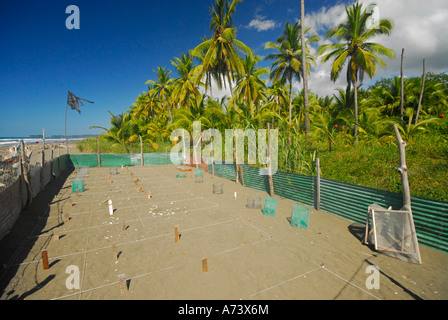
(36,149)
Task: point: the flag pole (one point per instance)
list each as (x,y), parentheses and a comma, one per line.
(66,143)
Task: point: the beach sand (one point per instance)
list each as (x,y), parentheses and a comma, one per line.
(250,256)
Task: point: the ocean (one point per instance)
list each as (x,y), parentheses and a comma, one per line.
(12,141)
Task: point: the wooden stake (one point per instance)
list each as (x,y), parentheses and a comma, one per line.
(141,190)
(70,202)
(149,194)
(421,92)
(45,259)
(56,235)
(77,193)
(124,226)
(114,250)
(136,181)
(66,217)
(176,234)
(111,208)
(402,85)
(204,265)
(403,170)
(108,176)
(122,282)
(317,184)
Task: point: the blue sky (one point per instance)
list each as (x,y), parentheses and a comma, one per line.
(112,55)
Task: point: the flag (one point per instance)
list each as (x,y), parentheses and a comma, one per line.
(74,102)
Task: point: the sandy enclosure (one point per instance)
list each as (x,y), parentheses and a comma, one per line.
(250,256)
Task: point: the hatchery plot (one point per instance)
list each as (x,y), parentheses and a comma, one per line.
(151,240)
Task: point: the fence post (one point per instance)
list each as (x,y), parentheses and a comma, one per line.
(98,151)
(51,163)
(141,149)
(213,160)
(42,172)
(317,184)
(59,160)
(29,191)
(271,182)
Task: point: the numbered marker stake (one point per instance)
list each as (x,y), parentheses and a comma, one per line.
(111,208)
(45,260)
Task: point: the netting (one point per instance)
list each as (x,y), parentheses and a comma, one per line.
(393,233)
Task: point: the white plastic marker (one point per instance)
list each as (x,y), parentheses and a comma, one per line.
(111,208)
(234,194)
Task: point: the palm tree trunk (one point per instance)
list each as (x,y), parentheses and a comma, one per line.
(356,108)
(231,89)
(305,79)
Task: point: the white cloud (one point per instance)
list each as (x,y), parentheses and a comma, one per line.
(216,92)
(262,25)
(418,28)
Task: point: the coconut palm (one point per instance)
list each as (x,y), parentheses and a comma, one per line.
(184,117)
(147,104)
(250,87)
(162,87)
(221,58)
(287,64)
(355,49)
(304,68)
(120,130)
(184,87)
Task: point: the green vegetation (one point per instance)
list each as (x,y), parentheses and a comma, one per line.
(351,131)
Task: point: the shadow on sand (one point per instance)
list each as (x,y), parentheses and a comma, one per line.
(17,244)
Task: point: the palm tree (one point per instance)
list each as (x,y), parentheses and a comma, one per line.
(354,47)
(146,104)
(120,130)
(305,72)
(183,87)
(287,64)
(184,117)
(162,86)
(250,87)
(218,54)
(277,98)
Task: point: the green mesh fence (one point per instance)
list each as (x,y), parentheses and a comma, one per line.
(118,160)
(84,160)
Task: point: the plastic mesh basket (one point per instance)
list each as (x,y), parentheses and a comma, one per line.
(218,188)
(78,185)
(300,216)
(270,206)
(253,203)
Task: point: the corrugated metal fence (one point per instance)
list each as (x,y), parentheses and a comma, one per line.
(349,201)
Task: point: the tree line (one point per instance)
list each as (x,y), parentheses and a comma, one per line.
(306,121)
